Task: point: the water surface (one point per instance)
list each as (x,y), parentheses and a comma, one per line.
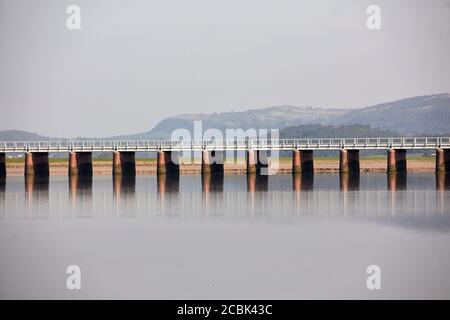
(226,237)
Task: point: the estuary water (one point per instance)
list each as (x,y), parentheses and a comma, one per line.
(226,237)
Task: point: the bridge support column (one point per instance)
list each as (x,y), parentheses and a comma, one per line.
(396,161)
(36,163)
(262,162)
(167,162)
(80,163)
(442,160)
(124,163)
(212,162)
(2,165)
(348,160)
(302,161)
(251,161)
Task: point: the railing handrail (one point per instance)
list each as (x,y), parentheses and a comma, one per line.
(237,142)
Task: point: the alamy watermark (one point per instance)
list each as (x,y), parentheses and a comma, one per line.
(73,281)
(73,21)
(374,279)
(229,147)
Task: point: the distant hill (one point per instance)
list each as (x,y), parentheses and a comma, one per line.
(18,135)
(422,115)
(267,118)
(343,131)
(413,116)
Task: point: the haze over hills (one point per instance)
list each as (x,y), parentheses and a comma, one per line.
(421,115)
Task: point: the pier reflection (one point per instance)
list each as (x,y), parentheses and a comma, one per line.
(37,195)
(349,181)
(80,188)
(169,182)
(168,186)
(2,184)
(348,185)
(257,182)
(2,195)
(212,191)
(124,188)
(36,186)
(212,182)
(302,181)
(442,192)
(442,181)
(257,187)
(427,197)
(396,181)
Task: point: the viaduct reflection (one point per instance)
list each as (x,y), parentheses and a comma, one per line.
(216,197)
(396,181)
(80,188)
(36,187)
(124,188)
(442,181)
(349,181)
(302,181)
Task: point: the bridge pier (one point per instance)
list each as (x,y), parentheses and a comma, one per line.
(348,160)
(251,161)
(2,165)
(396,161)
(257,160)
(442,160)
(36,163)
(167,163)
(262,162)
(212,162)
(124,163)
(80,163)
(302,161)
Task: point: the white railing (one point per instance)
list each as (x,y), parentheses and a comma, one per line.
(236,144)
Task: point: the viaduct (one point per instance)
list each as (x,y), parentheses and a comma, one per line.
(256,150)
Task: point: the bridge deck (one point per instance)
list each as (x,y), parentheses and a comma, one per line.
(222,145)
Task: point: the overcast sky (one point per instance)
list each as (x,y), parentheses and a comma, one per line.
(134,63)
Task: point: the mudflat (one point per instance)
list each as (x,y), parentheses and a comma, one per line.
(148,166)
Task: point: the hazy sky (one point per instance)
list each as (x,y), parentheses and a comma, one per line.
(134,63)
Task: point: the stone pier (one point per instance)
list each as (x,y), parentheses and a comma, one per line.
(124,163)
(348,160)
(251,161)
(80,163)
(257,160)
(302,161)
(212,162)
(2,165)
(262,163)
(167,162)
(396,161)
(36,163)
(442,160)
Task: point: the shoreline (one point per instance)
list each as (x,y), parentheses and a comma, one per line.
(321,165)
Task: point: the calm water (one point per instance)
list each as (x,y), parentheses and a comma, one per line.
(230,237)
